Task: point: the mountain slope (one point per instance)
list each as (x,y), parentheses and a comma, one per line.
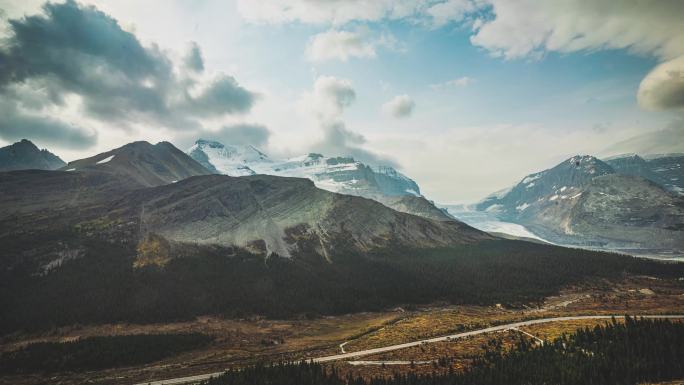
(143,164)
(584,201)
(24,155)
(284,215)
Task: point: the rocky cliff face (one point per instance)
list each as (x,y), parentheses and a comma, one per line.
(283,216)
(24,155)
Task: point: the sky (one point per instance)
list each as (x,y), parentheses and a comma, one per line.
(464,96)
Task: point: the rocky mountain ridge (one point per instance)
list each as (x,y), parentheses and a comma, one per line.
(24,155)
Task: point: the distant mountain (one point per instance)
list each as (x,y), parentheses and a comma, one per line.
(561,182)
(666,170)
(338,174)
(586,201)
(24,155)
(343,175)
(142,164)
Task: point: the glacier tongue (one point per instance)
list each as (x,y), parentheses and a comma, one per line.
(338,174)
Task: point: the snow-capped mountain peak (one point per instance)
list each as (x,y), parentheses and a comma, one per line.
(338,174)
(227,159)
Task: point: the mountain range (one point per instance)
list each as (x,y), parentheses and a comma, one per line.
(343,175)
(145,233)
(625,202)
(24,155)
(147,190)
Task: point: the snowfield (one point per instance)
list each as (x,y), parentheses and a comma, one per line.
(487,221)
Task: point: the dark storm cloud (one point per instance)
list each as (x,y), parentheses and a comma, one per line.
(77,49)
(224,95)
(193,58)
(15,125)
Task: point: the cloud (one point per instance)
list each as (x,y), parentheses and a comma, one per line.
(253,134)
(193,58)
(329,98)
(528,28)
(256,135)
(663,87)
(336,12)
(16,125)
(326,102)
(339,141)
(340,45)
(449,11)
(343,45)
(401,106)
(663,141)
(223,95)
(340,12)
(463,81)
(84,53)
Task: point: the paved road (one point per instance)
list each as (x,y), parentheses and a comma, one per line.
(362,353)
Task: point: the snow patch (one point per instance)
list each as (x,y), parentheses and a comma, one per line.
(105,160)
(522,207)
(531,178)
(494,208)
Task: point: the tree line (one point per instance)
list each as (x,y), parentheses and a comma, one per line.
(629,353)
(103,285)
(100,352)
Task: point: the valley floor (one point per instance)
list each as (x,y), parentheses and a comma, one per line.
(245,341)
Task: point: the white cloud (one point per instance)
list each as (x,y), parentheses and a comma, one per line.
(401,106)
(329,98)
(449,11)
(327,101)
(436,13)
(336,12)
(463,81)
(527,28)
(343,45)
(663,87)
(340,45)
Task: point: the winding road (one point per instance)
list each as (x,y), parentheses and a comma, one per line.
(362,353)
